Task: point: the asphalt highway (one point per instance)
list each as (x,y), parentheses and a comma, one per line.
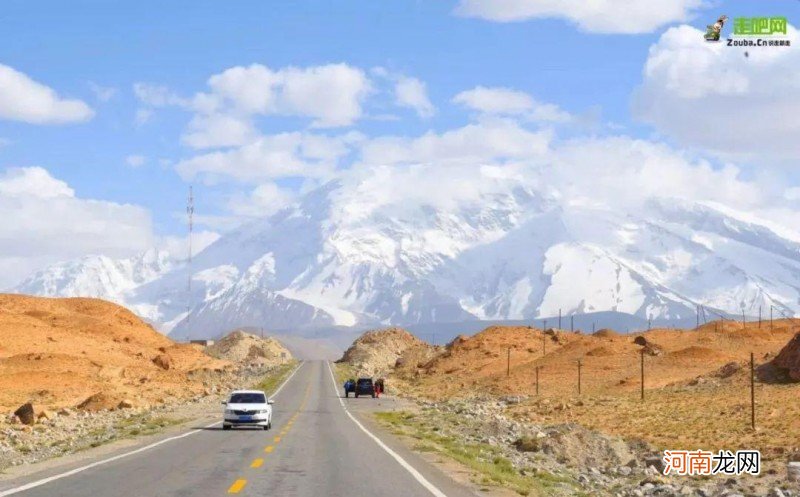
(320,445)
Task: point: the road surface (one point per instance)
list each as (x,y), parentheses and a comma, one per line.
(317,448)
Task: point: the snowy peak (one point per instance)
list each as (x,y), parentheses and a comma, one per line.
(373,248)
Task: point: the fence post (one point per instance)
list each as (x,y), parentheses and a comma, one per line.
(752,393)
(508,362)
(579,376)
(544,344)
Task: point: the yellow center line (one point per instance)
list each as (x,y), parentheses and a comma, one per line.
(277,439)
(257,463)
(237,486)
(269,449)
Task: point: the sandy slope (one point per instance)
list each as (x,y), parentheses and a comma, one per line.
(59,352)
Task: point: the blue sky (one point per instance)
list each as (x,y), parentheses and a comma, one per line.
(82,48)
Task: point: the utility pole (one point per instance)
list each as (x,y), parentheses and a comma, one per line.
(743,318)
(759,317)
(508,362)
(579,376)
(770,317)
(537,380)
(752,393)
(190,215)
(698,318)
(572,323)
(559,318)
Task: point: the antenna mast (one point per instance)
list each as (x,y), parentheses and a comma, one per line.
(190,214)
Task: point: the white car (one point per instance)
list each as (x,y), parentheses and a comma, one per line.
(248,408)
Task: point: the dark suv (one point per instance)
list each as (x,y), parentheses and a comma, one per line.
(364,386)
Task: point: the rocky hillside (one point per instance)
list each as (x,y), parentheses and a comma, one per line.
(244,348)
(502,359)
(91,354)
(376,352)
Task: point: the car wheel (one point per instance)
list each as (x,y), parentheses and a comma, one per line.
(373,395)
(226,427)
(356,394)
(266,427)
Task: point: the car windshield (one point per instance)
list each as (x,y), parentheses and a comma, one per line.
(248,398)
(364,382)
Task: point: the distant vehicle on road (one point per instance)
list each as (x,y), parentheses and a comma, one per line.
(364,386)
(248,408)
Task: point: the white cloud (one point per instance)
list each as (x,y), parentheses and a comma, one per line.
(265,199)
(331,95)
(26,100)
(283,155)
(218,130)
(505,101)
(135,160)
(45,222)
(178,246)
(102,93)
(489,140)
(710,96)
(597,16)
(157,95)
(411,92)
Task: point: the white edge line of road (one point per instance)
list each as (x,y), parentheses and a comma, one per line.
(408,467)
(49,479)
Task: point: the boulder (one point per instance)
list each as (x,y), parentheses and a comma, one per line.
(164,361)
(46,414)
(728,370)
(788,359)
(125,404)
(26,414)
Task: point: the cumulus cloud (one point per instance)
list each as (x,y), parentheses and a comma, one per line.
(505,101)
(597,16)
(263,200)
(26,100)
(45,222)
(331,95)
(411,92)
(710,96)
(485,141)
(295,154)
(178,246)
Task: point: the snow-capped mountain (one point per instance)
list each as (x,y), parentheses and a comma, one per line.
(371,248)
(99,276)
